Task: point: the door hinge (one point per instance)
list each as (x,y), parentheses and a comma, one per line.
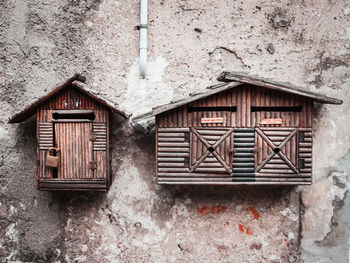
(92,136)
(93,165)
(187,161)
(187,136)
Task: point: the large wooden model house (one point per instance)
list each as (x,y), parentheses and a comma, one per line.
(73,137)
(246,131)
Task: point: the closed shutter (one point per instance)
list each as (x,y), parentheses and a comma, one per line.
(45,135)
(211,150)
(243,161)
(72,138)
(305,152)
(99,138)
(173,153)
(100,134)
(276,151)
(284,155)
(45,141)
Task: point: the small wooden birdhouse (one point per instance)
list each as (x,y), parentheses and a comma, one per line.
(247,131)
(73,137)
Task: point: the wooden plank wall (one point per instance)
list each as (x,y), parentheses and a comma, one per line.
(305,152)
(76,150)
(172,152)
(73,137)
(243,97)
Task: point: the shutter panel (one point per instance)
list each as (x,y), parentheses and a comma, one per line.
(99,144)
(243,161)
(212,150)
(45,135)
(277,151)
(173,152)
(305,151)
(100,136)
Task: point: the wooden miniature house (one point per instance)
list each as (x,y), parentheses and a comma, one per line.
(247,131)
(73,137)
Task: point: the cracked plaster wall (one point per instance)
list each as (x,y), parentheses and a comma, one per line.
(190,42)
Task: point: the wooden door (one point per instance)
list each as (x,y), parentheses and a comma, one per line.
(276,151)
(76,150)
(211,150)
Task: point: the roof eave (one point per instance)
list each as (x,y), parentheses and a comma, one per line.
(31,109)
(227,76)
(108,104)
(182,102)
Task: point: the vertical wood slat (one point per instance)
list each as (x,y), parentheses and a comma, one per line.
(108,173)
(67,99)
(69,137)
(73,141)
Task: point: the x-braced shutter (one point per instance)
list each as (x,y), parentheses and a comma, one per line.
(211,150)
(45,141)
(276,151)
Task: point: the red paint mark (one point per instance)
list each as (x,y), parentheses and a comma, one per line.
(241,228)
(214,210)
(254,212)
(227,223)
(285,242)
(248,231)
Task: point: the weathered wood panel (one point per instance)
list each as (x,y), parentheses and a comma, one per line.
(304,156)
(76,150)
(45,135)
(100,131)
(243,97)
(278,153)
(211,150)
(244,143)
(172,156)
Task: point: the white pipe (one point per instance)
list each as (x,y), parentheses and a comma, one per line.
(143,38)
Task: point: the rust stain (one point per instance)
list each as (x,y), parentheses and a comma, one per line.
(254,212)
(214,209)
(256,246)
(285,242)
(248,231)
(241,228)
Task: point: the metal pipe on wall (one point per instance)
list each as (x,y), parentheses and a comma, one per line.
(143,38)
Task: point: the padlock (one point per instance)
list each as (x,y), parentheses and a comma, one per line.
(51,159)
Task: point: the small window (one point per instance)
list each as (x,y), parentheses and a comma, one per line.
(73,116)
(277,108)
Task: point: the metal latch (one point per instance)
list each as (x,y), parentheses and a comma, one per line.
(92,136)
(93,165)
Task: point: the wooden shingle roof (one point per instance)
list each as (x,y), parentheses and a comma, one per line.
(234,79)
(76,81)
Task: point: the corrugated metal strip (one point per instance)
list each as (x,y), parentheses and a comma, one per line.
(243,159)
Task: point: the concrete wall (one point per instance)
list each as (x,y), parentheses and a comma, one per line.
(190,42)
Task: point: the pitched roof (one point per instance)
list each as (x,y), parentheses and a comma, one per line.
(78,82)
(231,76)
(234,79)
